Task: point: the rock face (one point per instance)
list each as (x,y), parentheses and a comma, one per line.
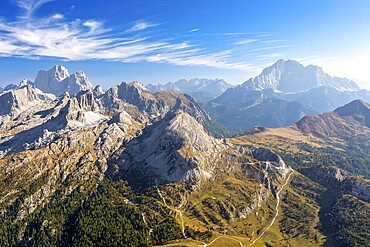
(292,77)
(79,111)
(58,81)
(156,105)
(201,89)
(174,149)
(14,101)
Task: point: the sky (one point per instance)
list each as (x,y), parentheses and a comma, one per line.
(156,41)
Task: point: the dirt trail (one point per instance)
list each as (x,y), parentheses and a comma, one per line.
(240,243)
(174,209)
(276,209)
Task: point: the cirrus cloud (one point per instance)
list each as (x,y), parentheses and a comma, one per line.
(55,36)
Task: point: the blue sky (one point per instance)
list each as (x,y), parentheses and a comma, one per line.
(156,41)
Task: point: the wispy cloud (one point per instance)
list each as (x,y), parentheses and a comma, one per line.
(30,6)
(269,56)
(234,33)
(264,48)
(55,36)
(315,59)
(245,41)
(264,34)
(273,41)
(141,25)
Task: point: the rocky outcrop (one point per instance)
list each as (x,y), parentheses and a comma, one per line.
(12,102)
(79,111)
(155,106)
(58,81)
(359,187)
(173,149)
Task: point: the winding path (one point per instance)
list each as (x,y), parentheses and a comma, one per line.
(276,209)
(174,209)
(240,243)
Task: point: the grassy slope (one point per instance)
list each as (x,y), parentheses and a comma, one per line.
(343,218)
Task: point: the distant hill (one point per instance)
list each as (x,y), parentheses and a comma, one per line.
(345,132)
(346,121)
(261,112)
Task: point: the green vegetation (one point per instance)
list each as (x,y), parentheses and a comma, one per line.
(319,206)
(104,216)
(351,221)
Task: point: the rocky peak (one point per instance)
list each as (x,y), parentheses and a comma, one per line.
(98,90)
(84,101)
(57,81)
(60,72)
(17,100)
(78,111)
(357,109)
(291,76)
(45,79)
(354,107)
(25,82)
(176,148)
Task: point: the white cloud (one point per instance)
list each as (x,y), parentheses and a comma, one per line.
(139,26)
(245,41)
(271,47)
(56,36)
(269,56)
(93,25)
(273,41)
(30,6)
(193,30)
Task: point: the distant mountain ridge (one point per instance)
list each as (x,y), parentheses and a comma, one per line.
(260,112)
(200,88)
(289,76)
(289,81)
(347,121)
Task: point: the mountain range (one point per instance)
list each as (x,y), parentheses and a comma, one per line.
(129,167)
(202,90)
(289,76)
(281,95)
(307,90)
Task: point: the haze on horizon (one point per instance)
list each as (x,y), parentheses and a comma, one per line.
(161,41)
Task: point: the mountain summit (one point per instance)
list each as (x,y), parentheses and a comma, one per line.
(58,81)
(350,120)
(289,76)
